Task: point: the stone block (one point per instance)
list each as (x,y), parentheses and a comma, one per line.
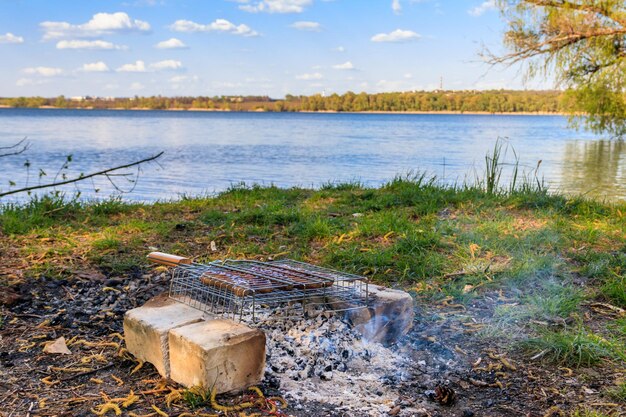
(217,353)
(389,316)
(146,329)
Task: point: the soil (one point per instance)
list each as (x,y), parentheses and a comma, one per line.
(481,375)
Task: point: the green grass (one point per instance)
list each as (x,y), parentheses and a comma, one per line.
(573,347)
(617,393)
(614,290)
(196,397)
(407,231)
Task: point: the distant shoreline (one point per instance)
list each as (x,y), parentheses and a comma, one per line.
(444,112)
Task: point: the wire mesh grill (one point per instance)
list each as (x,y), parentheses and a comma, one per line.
(254,291)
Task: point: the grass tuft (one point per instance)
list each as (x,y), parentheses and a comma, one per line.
(196,396)
(618,393)
(574,348)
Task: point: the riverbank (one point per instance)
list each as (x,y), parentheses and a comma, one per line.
(521,292)
(192,109)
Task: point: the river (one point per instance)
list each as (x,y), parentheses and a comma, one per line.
(207,152)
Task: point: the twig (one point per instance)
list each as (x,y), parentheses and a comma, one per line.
(93,371)
(8,395)
(32,404)
(24,148)
(81,177)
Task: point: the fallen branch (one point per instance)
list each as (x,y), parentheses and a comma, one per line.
(81,177)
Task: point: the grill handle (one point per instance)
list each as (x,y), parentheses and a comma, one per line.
(167,259)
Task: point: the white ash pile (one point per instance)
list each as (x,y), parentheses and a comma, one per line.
(322,359)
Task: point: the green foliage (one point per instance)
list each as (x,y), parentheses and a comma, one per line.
(492,101)
(581,45)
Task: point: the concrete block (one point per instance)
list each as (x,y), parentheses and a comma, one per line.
(389,316)
(217,353)
(146,329)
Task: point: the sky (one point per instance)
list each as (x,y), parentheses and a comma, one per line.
(124,48)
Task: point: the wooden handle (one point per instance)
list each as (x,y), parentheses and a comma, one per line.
(167,259)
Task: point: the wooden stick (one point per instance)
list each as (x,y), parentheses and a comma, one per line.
(168,259)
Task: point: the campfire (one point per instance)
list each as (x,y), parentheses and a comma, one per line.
(317,334)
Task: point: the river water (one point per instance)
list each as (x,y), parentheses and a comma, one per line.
(207,152)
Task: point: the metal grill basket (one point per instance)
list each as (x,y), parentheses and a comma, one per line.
(254,291)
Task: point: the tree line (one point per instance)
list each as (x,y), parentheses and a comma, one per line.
(491,101)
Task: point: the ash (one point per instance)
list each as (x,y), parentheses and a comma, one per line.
(321,359)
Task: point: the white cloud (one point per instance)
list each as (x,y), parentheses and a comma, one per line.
(138,66)
(219,25)
(168,64)
(184,78)
(171,43)
(340,49)
(396,6)
(100,24)
(95,67)
(137,86)
(311,76)
(80,44)
(11,38)
(310,26)
(24,82)
(275,6)
(485,6)
(397,35)
(345,66)
(43,71)
(226,84)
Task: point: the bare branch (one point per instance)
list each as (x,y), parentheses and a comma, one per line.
(16,149)
(105,173)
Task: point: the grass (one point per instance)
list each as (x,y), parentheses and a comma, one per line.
(575,347)
(618,393)
(196,396)
(410,230)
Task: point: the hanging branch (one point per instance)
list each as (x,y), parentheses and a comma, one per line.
(106,173)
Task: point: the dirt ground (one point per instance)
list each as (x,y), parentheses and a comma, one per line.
(481,373)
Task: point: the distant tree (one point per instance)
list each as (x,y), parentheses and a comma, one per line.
(582,43)
(279,106)
(60,102)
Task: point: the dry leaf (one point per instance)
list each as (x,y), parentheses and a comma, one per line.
(58,346)
(213,246)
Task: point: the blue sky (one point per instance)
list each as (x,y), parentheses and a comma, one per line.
(266,47)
